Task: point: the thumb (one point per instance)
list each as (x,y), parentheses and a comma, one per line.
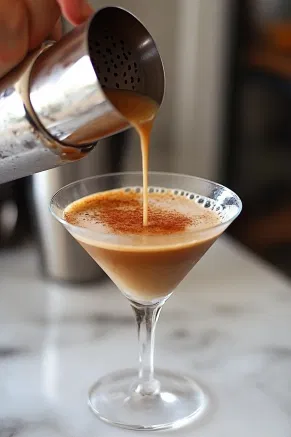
(76,11)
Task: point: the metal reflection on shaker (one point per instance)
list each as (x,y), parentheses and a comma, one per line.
(53,109)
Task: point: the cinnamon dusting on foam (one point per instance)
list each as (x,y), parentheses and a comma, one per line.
(121,212)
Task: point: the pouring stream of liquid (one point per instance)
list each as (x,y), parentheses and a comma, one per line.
(141,112)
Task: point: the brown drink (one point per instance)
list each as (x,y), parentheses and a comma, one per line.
(146,263)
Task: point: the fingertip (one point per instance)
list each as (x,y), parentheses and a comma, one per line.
(87,11)
(76,11)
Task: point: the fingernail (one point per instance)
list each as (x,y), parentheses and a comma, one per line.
(86,11)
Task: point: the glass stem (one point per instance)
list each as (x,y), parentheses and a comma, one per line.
(146,318)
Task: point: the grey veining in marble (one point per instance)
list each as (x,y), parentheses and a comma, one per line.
(228,324)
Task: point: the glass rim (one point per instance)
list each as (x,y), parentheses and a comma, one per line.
(139,173)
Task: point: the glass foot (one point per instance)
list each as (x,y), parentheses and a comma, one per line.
(179,401)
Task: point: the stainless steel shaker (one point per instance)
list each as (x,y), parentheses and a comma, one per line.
(61,258)
(53,108)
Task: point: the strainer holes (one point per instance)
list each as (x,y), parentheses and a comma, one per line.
(118,56)
(115,74)
(133,87)
(125,82)
(129,67)
(131,79)
(117,85)
(108,70)
(124,74)
(98,52)
(129,53)
(138,80)
(105,79)
(115,65)
(121,63)
(122,42)
(114,45)
(135,65)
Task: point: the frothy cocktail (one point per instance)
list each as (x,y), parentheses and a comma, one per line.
(146,263)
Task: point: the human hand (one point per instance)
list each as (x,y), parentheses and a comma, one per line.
(25,24)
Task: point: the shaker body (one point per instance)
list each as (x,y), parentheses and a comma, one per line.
(61,257)
(22,150)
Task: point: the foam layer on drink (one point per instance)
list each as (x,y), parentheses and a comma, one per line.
(121,212)
(175,217)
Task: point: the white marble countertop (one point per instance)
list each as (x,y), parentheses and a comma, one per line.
(229,324)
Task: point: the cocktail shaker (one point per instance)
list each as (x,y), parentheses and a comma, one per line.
(60,257)
(53,108)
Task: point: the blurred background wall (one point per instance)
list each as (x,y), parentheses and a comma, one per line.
(257,141)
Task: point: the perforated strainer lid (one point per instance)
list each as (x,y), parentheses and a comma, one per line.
(124,55)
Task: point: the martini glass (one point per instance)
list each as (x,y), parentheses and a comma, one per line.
(147,269)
